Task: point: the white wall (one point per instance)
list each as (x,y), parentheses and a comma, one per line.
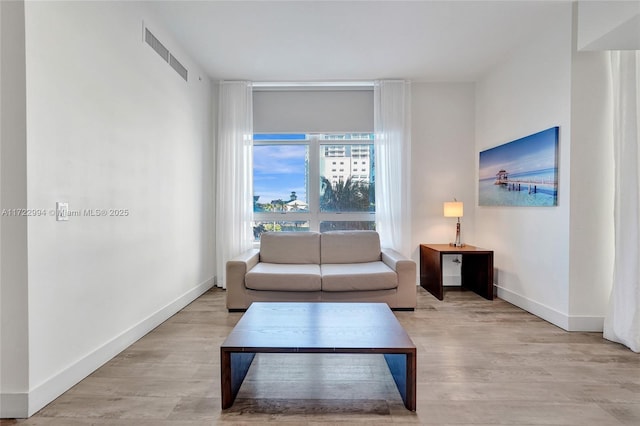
(443,164)
(110,125)
(608,24)
(14,347)
(528,92)
(592,186)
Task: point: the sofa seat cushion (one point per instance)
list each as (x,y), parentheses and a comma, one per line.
(358,277)
(283,277)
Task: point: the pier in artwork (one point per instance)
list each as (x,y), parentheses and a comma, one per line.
(519,184)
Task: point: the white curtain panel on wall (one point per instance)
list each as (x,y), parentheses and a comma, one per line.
(622,323)
(234,196)
(392,126)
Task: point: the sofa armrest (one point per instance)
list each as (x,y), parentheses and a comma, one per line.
(406,270)
(236,269)
(394,260)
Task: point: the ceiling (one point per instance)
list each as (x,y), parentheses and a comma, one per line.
(351,40)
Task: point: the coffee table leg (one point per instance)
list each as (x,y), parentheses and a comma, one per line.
(233,369)
(403,370)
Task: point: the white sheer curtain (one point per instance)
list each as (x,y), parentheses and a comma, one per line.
(622,323)
(392,126)
(234,196)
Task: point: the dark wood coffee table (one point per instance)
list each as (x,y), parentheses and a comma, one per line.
(353,328)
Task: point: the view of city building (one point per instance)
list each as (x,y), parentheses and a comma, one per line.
(341,162)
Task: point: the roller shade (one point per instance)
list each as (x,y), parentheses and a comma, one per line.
(313,111)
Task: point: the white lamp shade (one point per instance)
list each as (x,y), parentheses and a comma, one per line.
(453,209)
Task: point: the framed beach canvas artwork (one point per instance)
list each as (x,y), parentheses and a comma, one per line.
(523,172)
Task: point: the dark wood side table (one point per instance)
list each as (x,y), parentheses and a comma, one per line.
(476,273)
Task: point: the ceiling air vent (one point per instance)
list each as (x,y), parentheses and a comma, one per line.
(164,53)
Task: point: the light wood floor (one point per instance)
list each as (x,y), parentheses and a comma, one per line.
(479,362)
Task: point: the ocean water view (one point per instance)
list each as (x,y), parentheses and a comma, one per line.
(533,188)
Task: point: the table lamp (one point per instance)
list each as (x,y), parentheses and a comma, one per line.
(454,209)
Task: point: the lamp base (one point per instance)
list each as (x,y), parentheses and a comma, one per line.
(457,242)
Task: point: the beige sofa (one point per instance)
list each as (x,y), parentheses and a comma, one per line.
(339,266)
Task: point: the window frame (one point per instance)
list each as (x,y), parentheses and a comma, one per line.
(314,143)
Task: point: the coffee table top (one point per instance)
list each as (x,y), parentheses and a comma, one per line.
(318,327)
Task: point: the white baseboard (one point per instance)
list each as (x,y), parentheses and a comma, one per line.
(25,405)
(585,323)
(562,320)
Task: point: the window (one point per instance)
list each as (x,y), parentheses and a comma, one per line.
(297,188)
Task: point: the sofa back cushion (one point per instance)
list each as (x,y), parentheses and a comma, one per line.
(349,247)
(290,247)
